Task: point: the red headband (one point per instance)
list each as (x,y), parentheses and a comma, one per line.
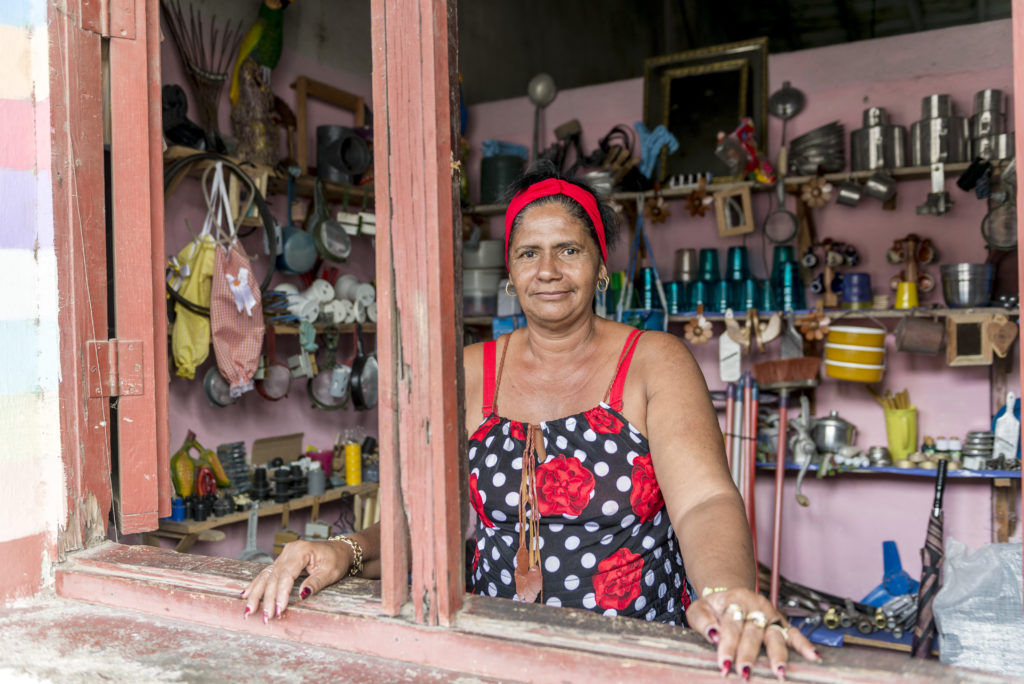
(553,186)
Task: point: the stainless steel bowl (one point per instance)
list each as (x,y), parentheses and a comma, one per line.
(967,285)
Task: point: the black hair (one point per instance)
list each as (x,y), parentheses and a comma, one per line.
(543,170)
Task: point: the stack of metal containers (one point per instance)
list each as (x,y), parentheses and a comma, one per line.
(879,144)
(940,135)
(989,139)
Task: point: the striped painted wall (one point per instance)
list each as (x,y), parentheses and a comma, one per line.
(31,475)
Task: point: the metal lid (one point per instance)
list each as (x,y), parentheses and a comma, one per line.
(935,106)
(875,116)
(990,99)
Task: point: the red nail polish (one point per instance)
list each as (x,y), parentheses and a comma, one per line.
(713,636)
(780,672)
(816,654)
(745,673)
(306,591)
(266,616)
(247,611)
(726,666)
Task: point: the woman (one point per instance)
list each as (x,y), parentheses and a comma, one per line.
(607,434)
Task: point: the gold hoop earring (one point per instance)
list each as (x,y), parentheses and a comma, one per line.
(602,284)
(509,290)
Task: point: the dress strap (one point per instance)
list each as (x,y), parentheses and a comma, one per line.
(492,376)
(614,394)
(490,360)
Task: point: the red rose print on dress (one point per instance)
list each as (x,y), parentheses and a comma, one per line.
(645,497)
(564,486)
(477,503)
(602,421)
(481,432)
(617,582)
(516,431)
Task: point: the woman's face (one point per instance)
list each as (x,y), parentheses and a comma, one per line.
(554,263)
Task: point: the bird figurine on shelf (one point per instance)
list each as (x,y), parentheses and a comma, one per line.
(252,100)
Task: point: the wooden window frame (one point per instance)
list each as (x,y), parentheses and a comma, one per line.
(428,620)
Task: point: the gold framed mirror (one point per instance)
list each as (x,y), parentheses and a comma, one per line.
(696,94)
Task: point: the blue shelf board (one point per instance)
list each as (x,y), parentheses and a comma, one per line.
(960,473)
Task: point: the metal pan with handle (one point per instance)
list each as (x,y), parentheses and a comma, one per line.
(363,384)
(277,377)
(328,389)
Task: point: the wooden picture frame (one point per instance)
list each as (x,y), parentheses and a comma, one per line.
(734,212)
(695,114)
(967,340)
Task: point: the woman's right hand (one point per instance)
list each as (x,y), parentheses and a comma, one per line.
(324,562)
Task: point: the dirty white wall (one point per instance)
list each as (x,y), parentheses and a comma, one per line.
(31,476)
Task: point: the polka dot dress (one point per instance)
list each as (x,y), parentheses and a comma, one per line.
(606,542)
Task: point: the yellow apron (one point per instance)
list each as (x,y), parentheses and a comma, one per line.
(190,337)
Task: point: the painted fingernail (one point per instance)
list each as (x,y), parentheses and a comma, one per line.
(780,673)
(745,672)
(266,616)
(242,594)
(306,591)
(277,610)
(816,654)
(726,666)
(248,610)
(712,635)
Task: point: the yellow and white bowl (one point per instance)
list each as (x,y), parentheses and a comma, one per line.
(858,336)
(851,353)
(857,372)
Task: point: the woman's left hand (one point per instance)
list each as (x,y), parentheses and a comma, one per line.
(738,622)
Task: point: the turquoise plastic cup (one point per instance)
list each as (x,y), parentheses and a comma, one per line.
(708,270)
(737,264)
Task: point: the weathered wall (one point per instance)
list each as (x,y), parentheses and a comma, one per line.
(31,477)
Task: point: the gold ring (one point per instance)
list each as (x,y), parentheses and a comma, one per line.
(708,591)
(734,611)
(784,630)
(758,618)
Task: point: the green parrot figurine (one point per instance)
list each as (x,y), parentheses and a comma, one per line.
(252,100)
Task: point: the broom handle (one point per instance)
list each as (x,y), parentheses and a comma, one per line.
(752,471)
(780,471)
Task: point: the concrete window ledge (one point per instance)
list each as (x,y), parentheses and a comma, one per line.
(491,637)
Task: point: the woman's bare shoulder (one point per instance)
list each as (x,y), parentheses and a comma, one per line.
(661,355)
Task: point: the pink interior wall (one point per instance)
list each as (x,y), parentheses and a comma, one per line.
(836,543)
(252,417)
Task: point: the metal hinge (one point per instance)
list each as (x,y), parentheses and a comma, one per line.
(109,18)
(115,368)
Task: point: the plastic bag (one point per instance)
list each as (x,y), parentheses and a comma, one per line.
(978,610)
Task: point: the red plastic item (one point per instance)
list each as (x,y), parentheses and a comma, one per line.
(206,483)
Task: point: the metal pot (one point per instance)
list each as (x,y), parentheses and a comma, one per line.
(832,432)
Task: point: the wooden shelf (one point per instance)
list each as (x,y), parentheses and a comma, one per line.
(277,181)
(831,313)
(792,182)
(959,473)
(281,329)
(267,508)
(854,314)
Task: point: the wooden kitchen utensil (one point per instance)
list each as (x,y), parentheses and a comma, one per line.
(1002,331)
